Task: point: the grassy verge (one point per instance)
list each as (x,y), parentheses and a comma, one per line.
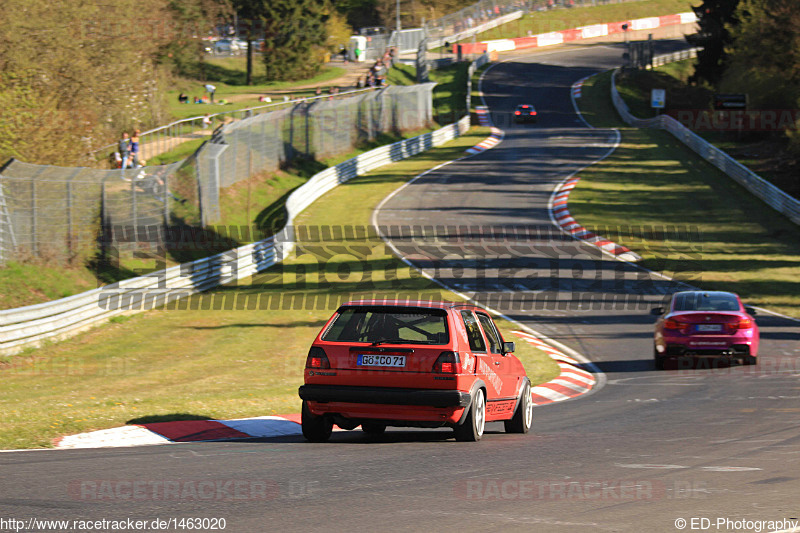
(722,238)
(216,363)
(564,19)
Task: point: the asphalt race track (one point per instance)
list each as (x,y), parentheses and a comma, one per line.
(645,450)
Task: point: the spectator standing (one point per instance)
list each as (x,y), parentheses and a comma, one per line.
(124,149)
(210,89)
(134,144)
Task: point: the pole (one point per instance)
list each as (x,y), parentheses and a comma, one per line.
(398,22)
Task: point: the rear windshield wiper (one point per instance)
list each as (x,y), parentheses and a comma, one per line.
(389,341)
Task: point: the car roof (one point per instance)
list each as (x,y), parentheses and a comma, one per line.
(409,303)
(710,293)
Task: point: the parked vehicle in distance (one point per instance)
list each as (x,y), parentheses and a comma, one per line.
(225,46)
(705,324)
(380,363)
(525,113)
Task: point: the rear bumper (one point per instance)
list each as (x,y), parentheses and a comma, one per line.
(721,349)
(385,395)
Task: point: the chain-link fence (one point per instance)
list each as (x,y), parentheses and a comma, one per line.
(315,128)
(66,214)
(61,214)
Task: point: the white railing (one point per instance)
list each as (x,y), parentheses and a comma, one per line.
(30,326)
(767,192)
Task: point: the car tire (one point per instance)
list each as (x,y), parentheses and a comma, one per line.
(373,428)
(749,360)
(471,430)
(523,417)
(658,360)
(315,428)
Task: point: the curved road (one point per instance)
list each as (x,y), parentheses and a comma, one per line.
(636,455)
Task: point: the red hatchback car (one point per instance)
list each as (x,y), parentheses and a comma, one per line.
(382,363)
(706,324)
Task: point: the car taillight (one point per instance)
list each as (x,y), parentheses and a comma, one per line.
(447,363)
(317,358)
(674,323)
(743,323)
(517,112)
(533,112)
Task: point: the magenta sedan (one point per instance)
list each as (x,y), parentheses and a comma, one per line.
(706,324)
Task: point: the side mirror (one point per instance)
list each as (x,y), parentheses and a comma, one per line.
(657,311)
(750,311)
(508,347)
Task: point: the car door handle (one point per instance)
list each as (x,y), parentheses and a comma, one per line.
(497,362)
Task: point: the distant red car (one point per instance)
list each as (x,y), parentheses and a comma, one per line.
(525,113)
(385,363)
(706,324)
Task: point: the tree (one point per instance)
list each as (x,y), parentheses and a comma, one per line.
(716,18)
(294,36)
(87,66)
(186,23)
(765,56)
(252,14)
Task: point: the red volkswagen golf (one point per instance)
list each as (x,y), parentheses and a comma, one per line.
(382,363)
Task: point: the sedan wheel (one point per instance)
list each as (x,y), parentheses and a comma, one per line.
(658,359)
(523,417)
(472,428)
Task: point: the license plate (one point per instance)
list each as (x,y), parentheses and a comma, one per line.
(381,360)
(709,327)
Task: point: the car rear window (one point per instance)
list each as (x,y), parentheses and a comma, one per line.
(389,324)
(703,301)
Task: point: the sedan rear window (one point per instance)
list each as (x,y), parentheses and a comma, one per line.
(704,301)
(389,325)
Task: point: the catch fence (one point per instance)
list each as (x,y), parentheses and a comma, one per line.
(59,214)
(318,128)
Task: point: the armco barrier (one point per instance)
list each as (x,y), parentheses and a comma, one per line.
(30,326)
(770,194)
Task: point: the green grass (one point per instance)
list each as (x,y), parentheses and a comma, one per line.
(24,284)
(450,93)
(184,364)
(564,19)
(260,201)
(179,153)
(228,76)
(654,180)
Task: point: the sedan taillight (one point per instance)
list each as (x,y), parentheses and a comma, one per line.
(743,323)
(317,358)
(447,363)
(674,323)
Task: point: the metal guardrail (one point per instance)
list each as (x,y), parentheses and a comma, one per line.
(30,326)
(758,186)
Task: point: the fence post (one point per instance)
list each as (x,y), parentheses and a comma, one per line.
(105,231)
(133,208)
